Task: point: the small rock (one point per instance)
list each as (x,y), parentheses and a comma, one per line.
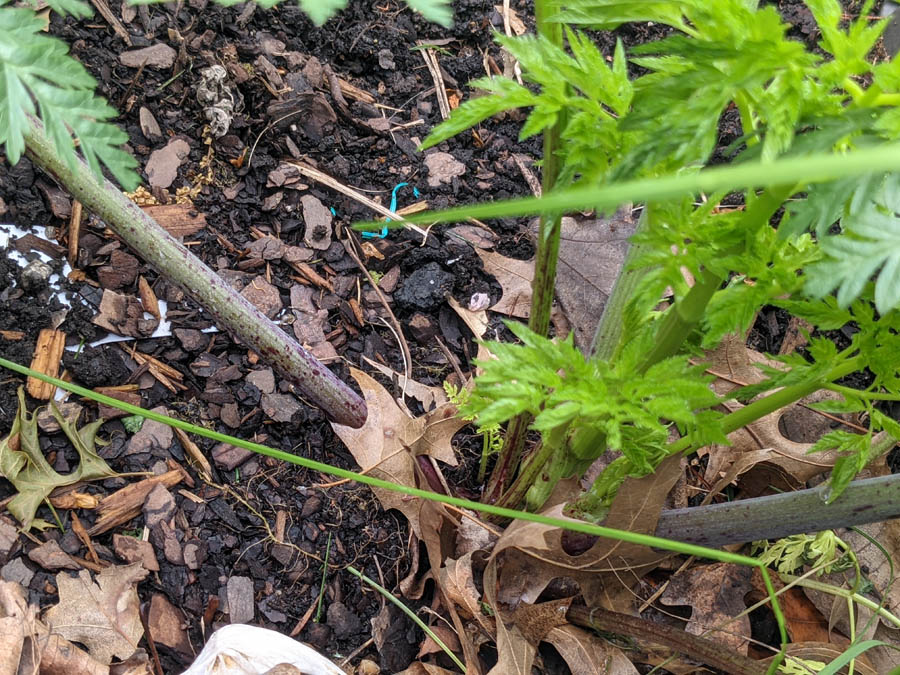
(282,553)
(443,168)
(51,557)
(167,623)
(295,254)
(386,59)
(279,407)
(264,296)
(479,301)
(156,56)
(342,621)
(239,592)
(311,506)
(272,615)
(159,507)
(266,248)
(229,457)
(162,167)
(170,545)
(192,340)
(132,550)
(425,288)
(152,436)
(195,552)
(16,570)
(388,283)
(47,422)
(149,125)
(35,276)
(318,223)
(318,635)
(422,328)
(206,365)
(264,380)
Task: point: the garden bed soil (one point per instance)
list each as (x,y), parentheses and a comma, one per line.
(224,530)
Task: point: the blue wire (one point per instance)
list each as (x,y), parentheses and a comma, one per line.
(384,230)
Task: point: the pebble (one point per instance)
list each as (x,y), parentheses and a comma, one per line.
(51,557)
(425,288)
(35,276)
(443,168)
(239,592)
(156,56)
(343,622)
(159,507)
(264,296)
(16,570)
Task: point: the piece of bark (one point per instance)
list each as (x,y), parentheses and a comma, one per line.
(179,220)
(47,354)
(148,298)
(125,504)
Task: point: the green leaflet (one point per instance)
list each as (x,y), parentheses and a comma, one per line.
(37,68)
(23,463)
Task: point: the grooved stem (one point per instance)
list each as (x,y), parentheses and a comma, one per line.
(227,307)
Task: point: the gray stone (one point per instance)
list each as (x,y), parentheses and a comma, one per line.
(51,557)
(279,407)
(264,380)
(16,570)
(264,296)
(162,167)
(442,168)
(35,276)
(239,592)
(318,223)
(159,507)
(155,56)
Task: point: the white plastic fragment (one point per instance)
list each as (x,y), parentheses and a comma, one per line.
(239,649)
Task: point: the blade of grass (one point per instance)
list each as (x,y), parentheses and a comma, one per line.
(572,525)
(324,575)
(815,168)
(411,614)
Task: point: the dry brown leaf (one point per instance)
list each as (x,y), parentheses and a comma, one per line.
(430,397)
(457,582)
(761,446)
(102,614)
(514,277)
(534,554)
(426,669)
(587,654)
(591,254)
(879,573)
(387,444)
(715,593)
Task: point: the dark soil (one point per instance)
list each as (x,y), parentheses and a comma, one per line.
(370,45)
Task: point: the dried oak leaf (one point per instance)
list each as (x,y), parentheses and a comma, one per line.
(761,446)
(101,614)
(534,555)
(514,277)
(588,654)
(22,462)
(715,593)
(387,444)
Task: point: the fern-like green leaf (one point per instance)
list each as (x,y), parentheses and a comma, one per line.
(439,11)
(38,68)
(869,243)
(319,11)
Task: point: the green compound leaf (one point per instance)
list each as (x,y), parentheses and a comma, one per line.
(35,68)
(319,11)
(439,11)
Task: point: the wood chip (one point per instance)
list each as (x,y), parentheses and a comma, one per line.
(148,298)
(195,454)
(47,354)
(14,335)
(125,504)
(179,220)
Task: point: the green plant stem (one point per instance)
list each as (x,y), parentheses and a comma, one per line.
(543,285)
(411,614)
(228,309)
(324,576)
(687,313)
(698,648)
(843,593)
(860,393)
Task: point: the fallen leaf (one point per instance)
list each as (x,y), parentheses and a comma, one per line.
(102,613)
(588,654)
(761,445)
(430,397)
(387,444)
(824,652)
(514,277)
(23,464)
(419,668)
(715,593)
(458,584)
(591,255)
(534,554)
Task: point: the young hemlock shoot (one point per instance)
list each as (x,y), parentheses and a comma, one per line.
(831,256)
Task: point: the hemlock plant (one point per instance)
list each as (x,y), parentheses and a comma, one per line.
(827,252)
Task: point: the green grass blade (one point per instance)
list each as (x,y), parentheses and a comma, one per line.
(411,614)
(814,168)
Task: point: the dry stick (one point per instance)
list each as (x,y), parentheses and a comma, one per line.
(404,347)
(229,309)
(434,68)
(325,179)
(698,648)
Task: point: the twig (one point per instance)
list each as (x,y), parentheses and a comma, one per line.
(435,69)
(404,347)
(325,179)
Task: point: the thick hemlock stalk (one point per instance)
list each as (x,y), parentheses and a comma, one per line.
(227,308)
